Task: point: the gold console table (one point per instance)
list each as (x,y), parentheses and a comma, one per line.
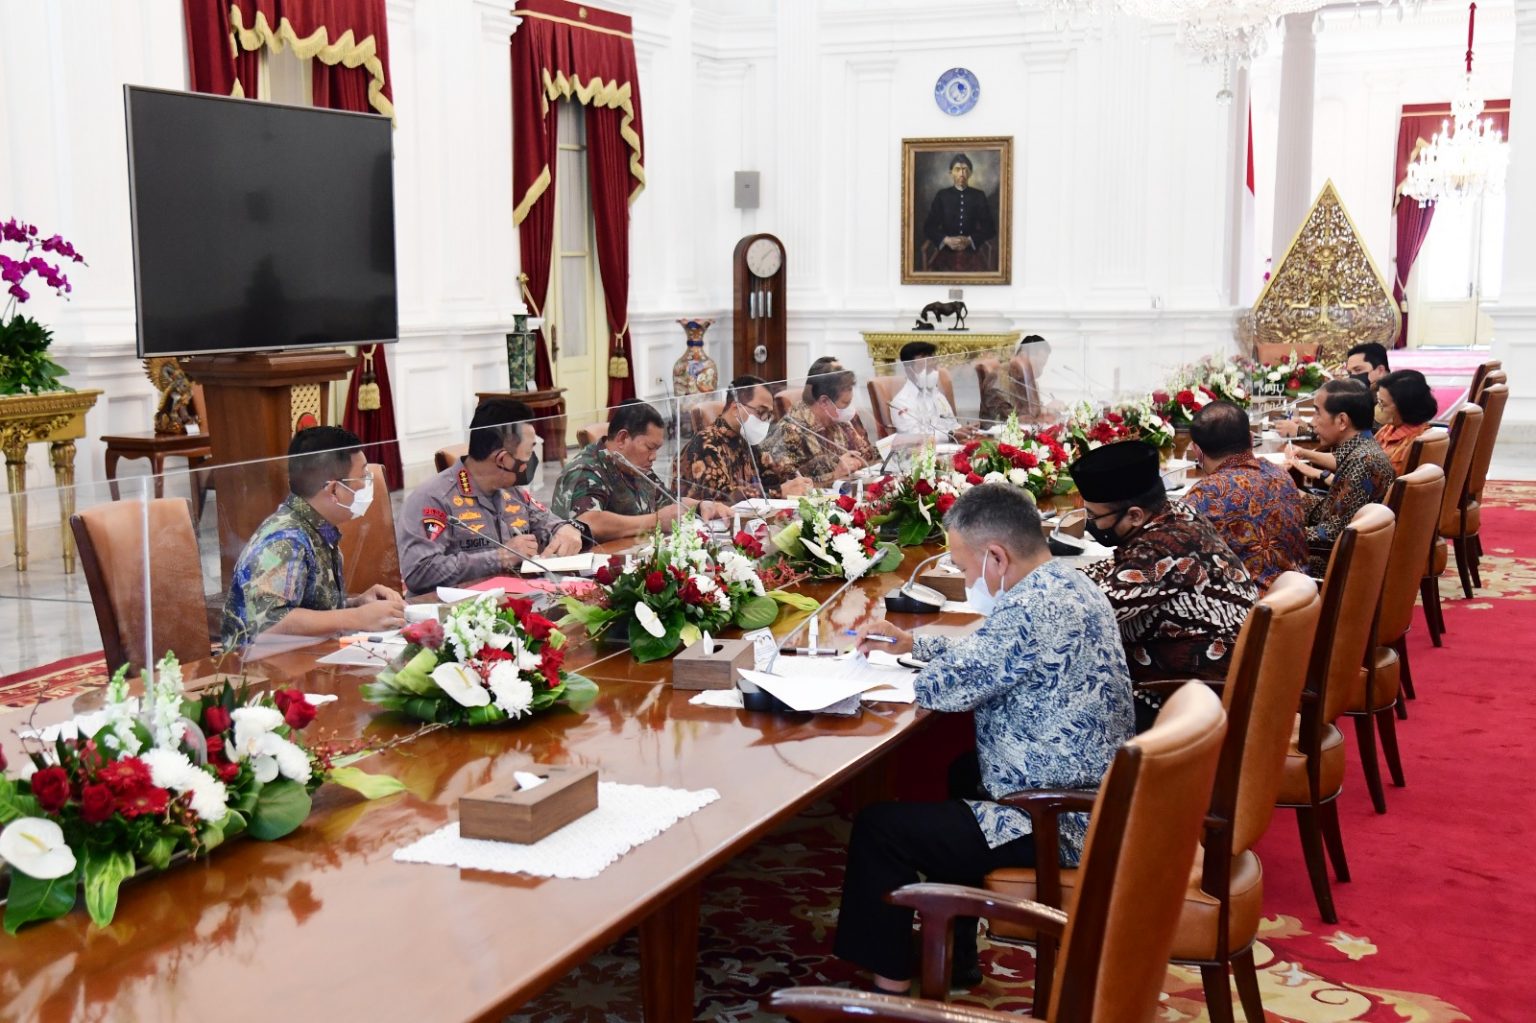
(57,419)
(885,345)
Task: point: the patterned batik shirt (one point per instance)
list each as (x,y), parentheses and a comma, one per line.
(291,561)
(718,465)
(595,481)
(1259,513)
(1046,677)
(799,445)
(1363,474)
(1180,595)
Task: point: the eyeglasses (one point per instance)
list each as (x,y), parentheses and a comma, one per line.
(759,412)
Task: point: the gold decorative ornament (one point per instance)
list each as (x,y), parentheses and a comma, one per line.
(58,420)
(1326,290)
(174,410)
(304,401)
(368,397)
(885,346)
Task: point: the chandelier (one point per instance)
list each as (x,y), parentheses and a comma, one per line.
(1468,155)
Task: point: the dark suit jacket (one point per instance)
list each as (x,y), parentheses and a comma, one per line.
(957,213)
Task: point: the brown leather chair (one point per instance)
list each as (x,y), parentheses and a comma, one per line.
(1415,500)
(1339,670)
(784,401)
(1466,425)
(591,432)
(1224,897)
(1430,449)
(110,538)
(703,414)
(1465,536)
(1479,377)
(883,389)
(369,553)
(449,455)
(1141,842)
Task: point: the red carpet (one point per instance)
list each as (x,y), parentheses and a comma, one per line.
(67,677)
(1433,928)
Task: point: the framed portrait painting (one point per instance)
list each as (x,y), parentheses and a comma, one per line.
(957,210)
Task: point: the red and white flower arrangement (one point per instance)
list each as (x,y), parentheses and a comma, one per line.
(834,538)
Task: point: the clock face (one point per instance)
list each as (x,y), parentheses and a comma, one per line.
(764,257)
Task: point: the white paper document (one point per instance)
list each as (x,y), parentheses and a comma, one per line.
(453,594)
(758,505)
(1278,457)
(570,564)
(812,683)
(366,654)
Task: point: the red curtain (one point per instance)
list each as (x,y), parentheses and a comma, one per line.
(579,53)
(215,65)
(1418,125)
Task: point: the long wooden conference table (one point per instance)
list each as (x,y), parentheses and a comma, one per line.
(325,925)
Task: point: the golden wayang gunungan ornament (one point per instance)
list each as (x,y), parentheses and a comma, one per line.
(1327,289)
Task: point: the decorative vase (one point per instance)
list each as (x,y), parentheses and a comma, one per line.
(694,372)
(520,356)
(1180,441)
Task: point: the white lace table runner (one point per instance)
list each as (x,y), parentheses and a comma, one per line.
(626,816)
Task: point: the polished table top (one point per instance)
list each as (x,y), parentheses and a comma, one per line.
(325,925)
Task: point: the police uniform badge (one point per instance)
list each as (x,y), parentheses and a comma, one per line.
(434,521)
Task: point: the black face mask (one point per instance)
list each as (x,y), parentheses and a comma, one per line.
(1106,537)
(525,473)
(1364,378)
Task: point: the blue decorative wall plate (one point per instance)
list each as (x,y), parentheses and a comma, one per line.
(956,91)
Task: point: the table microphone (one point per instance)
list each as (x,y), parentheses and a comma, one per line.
(915,598)
(549,573)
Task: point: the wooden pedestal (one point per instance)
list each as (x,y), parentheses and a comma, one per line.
(694,669)
(255,403)
(549,407)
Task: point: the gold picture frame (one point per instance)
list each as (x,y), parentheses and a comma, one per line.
(934,211)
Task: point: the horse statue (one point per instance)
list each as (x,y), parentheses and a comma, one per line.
(939,310)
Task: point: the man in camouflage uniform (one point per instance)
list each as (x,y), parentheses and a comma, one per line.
(610,485)
(455,528)
(289,578)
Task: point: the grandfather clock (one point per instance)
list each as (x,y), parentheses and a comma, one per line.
(759,274)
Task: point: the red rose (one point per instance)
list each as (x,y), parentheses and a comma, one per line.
(1293,384)
(835,530)
(228,772)
(51,787)
(1160,397)
(539,627)
(297,710)
(655,582)
(1185,397)
(974,479)
(215,745)
(491,654)
(860,519)
(519,607)
(616,563)
(96,803)
(215,719)
(125,775)
(1305,359)
(749,544)
(1114,417)
(876,488)
(962,464)
(923,488)
(428,633)
(145,800)
(970,447)
(550,660)
(846,502)
(944,503)
(690,594)
(604,576)
(1026,460)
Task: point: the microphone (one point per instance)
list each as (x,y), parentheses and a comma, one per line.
(914,598)
(632,467)
(549,573)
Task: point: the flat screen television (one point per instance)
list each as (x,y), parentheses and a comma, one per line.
(258,226)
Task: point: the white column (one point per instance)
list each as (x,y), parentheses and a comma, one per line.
(1514,315)
(1235,263)
(1293,148)
(795,213)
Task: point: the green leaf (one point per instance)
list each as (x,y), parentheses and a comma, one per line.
(30,899)
(757,613)
(580,691)
(365,783)
(913,531)
(158,854)
(489,714)
(14,804)
(281,806)
(798,601)
(416,676)
(211,835)
(234,824)
(890,558)
(647,647)
(788,539)
(105,871)
(690,634)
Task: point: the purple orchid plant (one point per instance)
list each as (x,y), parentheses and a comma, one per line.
(24,364)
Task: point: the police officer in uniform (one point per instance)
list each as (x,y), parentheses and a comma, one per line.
(447,524)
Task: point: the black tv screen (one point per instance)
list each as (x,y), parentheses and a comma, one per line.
(258,226)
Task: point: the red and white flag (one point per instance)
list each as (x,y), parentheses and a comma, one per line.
(1250,279)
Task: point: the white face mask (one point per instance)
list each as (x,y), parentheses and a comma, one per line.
(928,379)
(753,429)
(361,499)
(977,594)
(846,415)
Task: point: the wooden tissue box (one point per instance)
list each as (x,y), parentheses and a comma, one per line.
(694,669)
(951,585)
(503,811)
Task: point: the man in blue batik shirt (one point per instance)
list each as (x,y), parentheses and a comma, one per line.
(1047,679)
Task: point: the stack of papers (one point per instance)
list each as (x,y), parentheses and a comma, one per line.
(815,683)
(579,564)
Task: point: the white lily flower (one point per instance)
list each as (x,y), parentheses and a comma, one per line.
(648,620)
(1017,476)
(462,684)
(513,692)
(251,723)
(272,755)
(36,847)
(818,550)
